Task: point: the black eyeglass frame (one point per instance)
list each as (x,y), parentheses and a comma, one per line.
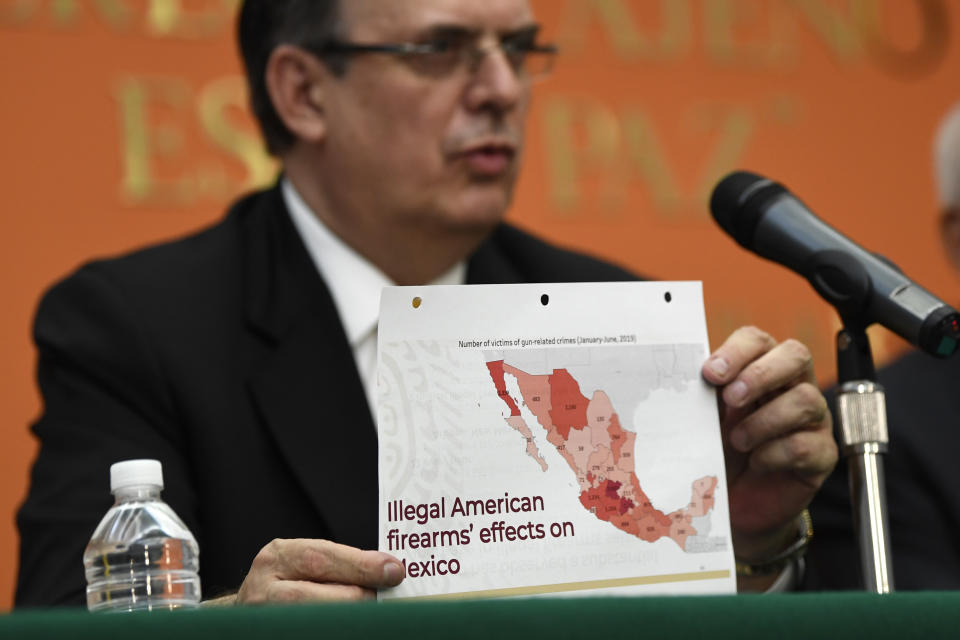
(335,47)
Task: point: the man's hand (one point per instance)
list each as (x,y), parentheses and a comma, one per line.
(777,438)
(302,570)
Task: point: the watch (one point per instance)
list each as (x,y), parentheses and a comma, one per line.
(777,563)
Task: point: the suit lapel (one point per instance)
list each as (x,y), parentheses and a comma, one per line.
(308,391)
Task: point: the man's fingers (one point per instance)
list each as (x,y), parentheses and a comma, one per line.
(811,454)
(336,570)
(755,368)
(305,591)
(742,347)
(325,561)
(800,407)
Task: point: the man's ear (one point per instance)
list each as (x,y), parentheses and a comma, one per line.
(294,81)
(950,234)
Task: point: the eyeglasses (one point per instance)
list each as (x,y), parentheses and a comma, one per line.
(445,57)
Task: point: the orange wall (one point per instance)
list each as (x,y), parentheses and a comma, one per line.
(124,123)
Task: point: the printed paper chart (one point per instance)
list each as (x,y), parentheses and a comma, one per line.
(550,439)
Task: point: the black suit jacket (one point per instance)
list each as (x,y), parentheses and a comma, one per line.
(923,501)
(221,355)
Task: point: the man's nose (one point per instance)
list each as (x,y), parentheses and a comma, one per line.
(495,83)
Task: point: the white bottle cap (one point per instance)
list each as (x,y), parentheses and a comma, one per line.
(130,473)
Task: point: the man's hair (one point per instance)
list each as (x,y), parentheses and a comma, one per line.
(946,160)
(261,27)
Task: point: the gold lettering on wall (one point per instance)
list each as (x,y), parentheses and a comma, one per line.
(158,114)
(768,33)
(648,158)
(838,30)
(64,11)
(923,54)
(169,18)
(605,133)
(765,33)
(156,18)
(116,14)
(142,140)
(16,13)
(217,101)
(584,146)
(621,28)
(599,158)
(740,32)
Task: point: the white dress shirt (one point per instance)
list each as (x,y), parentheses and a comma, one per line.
(355,284)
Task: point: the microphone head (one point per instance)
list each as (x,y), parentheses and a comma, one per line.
(740,200)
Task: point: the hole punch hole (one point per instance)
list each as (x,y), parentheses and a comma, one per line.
(667,296)
(544,299)
(417,302)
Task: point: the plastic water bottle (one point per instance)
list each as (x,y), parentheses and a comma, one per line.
(141,556)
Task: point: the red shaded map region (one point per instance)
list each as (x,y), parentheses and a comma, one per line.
(589,436)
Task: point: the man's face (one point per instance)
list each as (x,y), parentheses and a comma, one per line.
(408,143)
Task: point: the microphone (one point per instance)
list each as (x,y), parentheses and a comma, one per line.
(865,288)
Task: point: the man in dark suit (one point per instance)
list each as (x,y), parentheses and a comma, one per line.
(227,355)
(923,415)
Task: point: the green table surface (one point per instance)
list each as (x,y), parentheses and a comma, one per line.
(772,617)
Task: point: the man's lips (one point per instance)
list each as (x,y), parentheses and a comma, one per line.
(488,159)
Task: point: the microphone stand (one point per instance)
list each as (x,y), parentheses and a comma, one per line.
(862,415)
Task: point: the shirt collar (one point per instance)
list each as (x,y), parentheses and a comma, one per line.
(354,282)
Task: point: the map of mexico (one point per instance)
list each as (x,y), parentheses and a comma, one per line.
(588,435)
